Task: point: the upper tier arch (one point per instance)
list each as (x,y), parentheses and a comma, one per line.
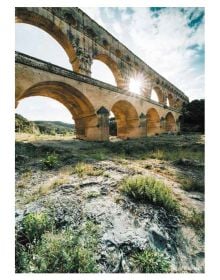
(113,67)
(52,28)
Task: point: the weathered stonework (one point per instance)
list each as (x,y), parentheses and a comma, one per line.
(84,40)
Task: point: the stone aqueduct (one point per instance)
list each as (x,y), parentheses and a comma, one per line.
(88,99)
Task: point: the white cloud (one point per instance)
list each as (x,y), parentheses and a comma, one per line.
(163,41)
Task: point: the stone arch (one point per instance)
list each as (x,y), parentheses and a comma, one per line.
(79,106)
(178,103)
(170,123)
(29,17)
(158,91)
(179,122)
(153,122)
(170,100)
(113,67)
(126,118)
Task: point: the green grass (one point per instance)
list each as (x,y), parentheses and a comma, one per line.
(196,220)
(44,188)
(83,169)
(176,154)
(192,185)
(52,184)
(99,155)
(163,148)
(148,189)
(151,261)
(24,179)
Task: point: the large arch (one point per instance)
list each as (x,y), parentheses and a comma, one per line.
(170,123)
(153,122)
(79,106)
(28,17)
(126,118)
(113,67)
(159,93)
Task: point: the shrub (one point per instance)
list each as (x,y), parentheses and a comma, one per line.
(61,253)
(22,257)
(50,161)
(32,227)
(151,261)
(143,188)
(35,224)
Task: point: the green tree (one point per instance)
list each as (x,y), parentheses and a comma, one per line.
(193,116)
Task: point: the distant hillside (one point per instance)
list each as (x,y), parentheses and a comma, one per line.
(54,127)
(24,125)
(43,127)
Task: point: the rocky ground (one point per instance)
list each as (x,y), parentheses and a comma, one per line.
(80,183)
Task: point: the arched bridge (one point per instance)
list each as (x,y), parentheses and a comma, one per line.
(88,100)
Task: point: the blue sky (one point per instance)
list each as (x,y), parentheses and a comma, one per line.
(170,40)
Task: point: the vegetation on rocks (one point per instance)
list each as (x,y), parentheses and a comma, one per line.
(34,225)
(190,185)
(196,220)
(52,184)
(148,189)
(193,185)
(43,248)
(83,169)
(151,261)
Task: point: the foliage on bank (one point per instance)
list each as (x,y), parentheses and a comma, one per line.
(193,116)
(41,247)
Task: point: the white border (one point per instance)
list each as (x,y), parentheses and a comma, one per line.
(111,3)
(7,135)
